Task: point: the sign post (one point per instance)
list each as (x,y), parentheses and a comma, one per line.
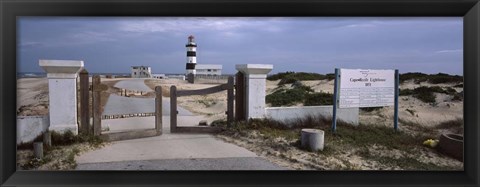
(395,114)
(356,88)
(335,101)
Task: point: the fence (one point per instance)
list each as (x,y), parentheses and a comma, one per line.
(116,116)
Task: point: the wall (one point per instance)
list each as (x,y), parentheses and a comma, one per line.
(349,115)
(211,79)
(29,127)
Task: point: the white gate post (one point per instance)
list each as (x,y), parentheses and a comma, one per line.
(62,88)
(255,88)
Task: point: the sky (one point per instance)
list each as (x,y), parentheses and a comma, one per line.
(301,44)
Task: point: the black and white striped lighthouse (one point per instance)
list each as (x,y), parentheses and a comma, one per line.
(191,55)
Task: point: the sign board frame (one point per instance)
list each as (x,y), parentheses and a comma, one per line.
(336,97)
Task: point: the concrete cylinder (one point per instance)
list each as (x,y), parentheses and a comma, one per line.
(38,150)
(312,139)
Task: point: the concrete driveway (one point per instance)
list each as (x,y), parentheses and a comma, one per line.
(172,152)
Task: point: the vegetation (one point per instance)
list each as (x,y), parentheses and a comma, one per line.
(68,138)
(298,94)
(458,86)
(370,109)
(288,97)
(426,94)
(433,78)
(291,77)
(457,97)
(315,99)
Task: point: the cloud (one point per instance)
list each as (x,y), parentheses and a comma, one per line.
(30,44)
(178,24)
(450,51)
(90,37)
(154,25)
(362,25)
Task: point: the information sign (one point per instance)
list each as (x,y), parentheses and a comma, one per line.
(366,88)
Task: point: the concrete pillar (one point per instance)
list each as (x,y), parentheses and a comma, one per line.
(62,87)
(255,86)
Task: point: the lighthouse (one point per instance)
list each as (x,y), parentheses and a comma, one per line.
(191,55)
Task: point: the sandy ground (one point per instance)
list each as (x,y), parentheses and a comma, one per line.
(32,96)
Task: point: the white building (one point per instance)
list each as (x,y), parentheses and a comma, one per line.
(179,77)
(208,69)
(159,76)
(141,72)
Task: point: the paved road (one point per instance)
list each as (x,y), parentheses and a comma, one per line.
(133,84)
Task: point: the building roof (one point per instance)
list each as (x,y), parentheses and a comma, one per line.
(208,66)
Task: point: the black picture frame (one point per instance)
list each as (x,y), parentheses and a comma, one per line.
(11,10)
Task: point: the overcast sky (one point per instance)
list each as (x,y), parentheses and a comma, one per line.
(112,45)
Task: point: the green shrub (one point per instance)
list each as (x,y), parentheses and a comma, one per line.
(458,86)
(279,76)
(285,97)
(291,77)
(457,97)
(434,78)
(66,138)
(416,76)
(69,138)
(330,76)
(304,88)
(315,99)
(426,94)
(288,80)
(406,92)
(450,91)
(370,109)
(444,78)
